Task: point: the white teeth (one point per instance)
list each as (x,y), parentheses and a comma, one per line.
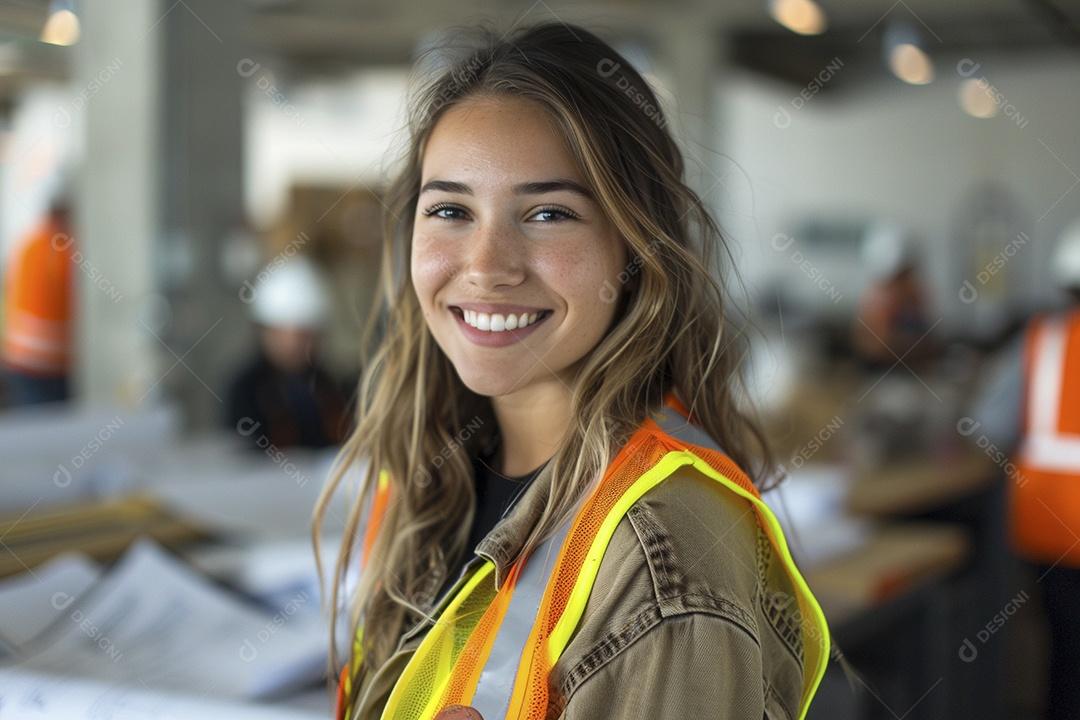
(495,322)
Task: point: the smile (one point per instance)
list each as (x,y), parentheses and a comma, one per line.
(498,322)
(499,329)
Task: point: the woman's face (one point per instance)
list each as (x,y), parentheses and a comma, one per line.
(510,251)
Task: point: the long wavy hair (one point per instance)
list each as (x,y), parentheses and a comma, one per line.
(416,419)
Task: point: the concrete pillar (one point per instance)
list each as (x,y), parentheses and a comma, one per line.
(161,187)
(118,89)
(691,53)
(206,44)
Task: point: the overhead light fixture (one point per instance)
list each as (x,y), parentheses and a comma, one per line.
(976,100)
(904,54)
(801,16)
(62,26)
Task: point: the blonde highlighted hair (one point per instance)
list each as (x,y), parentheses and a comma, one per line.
(669,333)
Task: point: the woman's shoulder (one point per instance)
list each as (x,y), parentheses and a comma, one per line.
(700,541)
(689,551)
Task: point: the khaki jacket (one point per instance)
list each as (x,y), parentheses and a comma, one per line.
(691,615)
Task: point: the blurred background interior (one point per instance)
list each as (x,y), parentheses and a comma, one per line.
(189,238)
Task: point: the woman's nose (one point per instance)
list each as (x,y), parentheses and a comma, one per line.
(493,258)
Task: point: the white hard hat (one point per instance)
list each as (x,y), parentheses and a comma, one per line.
(1067,257)
(887,248)
(290,293)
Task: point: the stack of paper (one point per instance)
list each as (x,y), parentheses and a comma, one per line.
(31,696)
(154,623)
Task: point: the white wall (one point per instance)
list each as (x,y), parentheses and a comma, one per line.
(878,147)
(331,131)
(39,140)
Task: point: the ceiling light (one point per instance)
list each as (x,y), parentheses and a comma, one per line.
(801,16)
(62,27)
(902,47)
(975,98)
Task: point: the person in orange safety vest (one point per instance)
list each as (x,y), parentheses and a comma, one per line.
(1033,407)
(554,514)
(38,308)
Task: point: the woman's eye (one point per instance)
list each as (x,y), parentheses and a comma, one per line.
(445,212)
(554,214)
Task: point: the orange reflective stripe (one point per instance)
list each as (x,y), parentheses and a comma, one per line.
(531,688)
(344,681)
(477,649)
(379,505)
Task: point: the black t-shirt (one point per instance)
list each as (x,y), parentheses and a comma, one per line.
(495,495)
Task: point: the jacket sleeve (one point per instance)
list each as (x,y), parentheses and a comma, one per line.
(689,666)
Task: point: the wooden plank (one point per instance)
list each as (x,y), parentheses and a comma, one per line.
(919,486)
(103,530)
(897,559)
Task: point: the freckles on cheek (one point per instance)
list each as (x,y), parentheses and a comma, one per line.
(425,264)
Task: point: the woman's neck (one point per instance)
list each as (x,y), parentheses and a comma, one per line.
(532,423)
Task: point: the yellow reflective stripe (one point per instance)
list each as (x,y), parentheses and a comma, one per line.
(806,598)
(667,465)
(354,662)
(447,619)
(575,605)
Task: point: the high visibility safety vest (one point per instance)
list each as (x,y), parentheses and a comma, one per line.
(1045,492)
(38,303)
(494,648)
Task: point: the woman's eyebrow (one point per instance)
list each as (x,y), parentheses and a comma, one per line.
(446,186)
(538,187)
(547,186)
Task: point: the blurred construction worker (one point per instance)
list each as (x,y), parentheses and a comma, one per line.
(38,309)
(284,397)
(1033,408)
(892,317)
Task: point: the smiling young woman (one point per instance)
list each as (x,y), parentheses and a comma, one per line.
(556,521)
